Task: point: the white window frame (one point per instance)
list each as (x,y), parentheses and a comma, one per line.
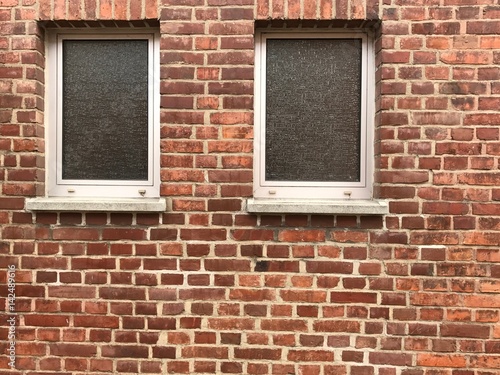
(56,185)
(279,190)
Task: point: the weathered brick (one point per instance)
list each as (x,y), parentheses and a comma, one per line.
(430,265)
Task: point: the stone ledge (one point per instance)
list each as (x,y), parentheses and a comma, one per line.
(96,205)
(303,206)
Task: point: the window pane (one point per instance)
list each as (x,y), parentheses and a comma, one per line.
(105,110)
(313,109)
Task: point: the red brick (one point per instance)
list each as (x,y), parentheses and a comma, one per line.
(128,351)
(329,267)
(428,28)
(121,234)
(203,234)
(225,265)
(336,326)
(46,320)
(466,57)
(301,236)
(265,354)
(350,297)
(465,330)
(98,322)
(479,178)
(121,293)
(310,355)
(78,350)
(390,359)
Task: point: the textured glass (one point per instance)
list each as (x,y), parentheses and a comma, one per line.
(313,109)
(105,110)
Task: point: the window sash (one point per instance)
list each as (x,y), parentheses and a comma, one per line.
(361,189)
(57,185)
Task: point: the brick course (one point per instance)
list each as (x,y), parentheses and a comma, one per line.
(209,288)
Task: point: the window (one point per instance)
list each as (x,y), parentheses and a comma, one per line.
(314,115)
(103,114)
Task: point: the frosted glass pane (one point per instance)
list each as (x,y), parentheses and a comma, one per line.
(105,110)
(313,109)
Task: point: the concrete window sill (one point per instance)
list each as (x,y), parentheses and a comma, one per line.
(96,205)
(303,206)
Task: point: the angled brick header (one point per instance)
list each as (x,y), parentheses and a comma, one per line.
(317,9)
(97,9)
(264,10)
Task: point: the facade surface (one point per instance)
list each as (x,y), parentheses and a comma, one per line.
(207,287)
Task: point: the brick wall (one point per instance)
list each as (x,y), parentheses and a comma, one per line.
(209,288)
